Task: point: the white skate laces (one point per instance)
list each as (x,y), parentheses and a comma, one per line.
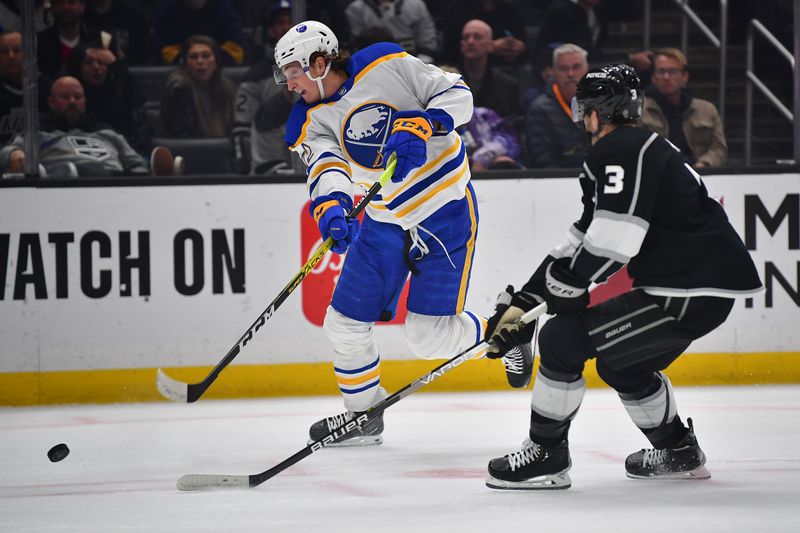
(526,455)
(336,421)
(514,361)
(653,457)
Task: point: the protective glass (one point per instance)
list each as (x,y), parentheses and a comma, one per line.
(578,110)
(284,74)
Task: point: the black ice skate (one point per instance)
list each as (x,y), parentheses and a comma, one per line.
(534,467)
(519,366)
(684,461)
(519,359)
(366,435)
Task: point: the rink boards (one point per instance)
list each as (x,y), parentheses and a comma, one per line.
(101,285)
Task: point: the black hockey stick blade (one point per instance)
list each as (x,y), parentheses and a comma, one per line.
(191,482)
(178,391)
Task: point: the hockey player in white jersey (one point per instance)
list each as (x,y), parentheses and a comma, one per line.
(644,207)
(352,115)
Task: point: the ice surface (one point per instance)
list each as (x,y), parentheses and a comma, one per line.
(427,476)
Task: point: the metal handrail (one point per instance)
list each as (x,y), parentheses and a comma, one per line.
(720,42)
(753,80)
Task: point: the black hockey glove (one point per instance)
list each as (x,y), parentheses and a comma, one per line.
(566,292)
(500,329)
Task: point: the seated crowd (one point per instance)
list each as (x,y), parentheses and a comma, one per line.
(210,62)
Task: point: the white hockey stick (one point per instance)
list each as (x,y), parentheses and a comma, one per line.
(205,481)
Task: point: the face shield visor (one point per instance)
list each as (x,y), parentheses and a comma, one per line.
(578,110)
(289,72)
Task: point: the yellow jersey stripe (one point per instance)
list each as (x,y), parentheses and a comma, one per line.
(360,75)
(376,63)
(424,170)
(445,184)
(360,379)
(302,135)
(319,169)
(462,291)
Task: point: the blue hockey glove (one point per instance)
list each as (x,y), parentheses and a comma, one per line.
(566,292)
(330,214)
(410,132)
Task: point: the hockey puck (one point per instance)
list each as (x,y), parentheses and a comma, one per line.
(58,452)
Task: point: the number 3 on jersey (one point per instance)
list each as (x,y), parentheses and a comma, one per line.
(615,174)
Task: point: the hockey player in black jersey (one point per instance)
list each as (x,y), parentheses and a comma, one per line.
(644,207)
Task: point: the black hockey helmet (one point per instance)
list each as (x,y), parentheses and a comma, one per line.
(614,91)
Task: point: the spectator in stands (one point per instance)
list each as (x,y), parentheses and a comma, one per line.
(11,105)
(177,20)
(277,21)
(542,79)
(504,18)
(584,23)
(198,99)
(11,118)
(691,124)
(490,87)
(407,20)
(126,24)
(262,108)
(56,43)
(113,96)
(491,142)
(72,144)
(507,23)
(553,139)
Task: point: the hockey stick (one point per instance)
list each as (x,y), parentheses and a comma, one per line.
(179,391)
(205,481)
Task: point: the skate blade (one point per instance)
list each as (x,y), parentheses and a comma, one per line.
(698,473)
(558,481)
(368,440)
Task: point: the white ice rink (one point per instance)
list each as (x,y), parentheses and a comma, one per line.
(427,476)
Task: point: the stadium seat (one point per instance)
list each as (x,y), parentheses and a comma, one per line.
(235,73)
(152,80)
(202,156)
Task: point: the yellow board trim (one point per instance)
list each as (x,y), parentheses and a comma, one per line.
(252,381)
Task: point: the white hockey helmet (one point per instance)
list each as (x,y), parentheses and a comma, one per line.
(300,43)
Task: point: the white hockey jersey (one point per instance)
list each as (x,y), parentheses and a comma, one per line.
(340,138)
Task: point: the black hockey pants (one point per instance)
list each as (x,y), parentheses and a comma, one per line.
(632,336)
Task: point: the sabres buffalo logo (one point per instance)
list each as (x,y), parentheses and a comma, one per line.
(365,131)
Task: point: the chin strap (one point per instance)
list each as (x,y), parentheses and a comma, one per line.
(319,81)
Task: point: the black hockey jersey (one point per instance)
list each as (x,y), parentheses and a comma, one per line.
(644,207)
